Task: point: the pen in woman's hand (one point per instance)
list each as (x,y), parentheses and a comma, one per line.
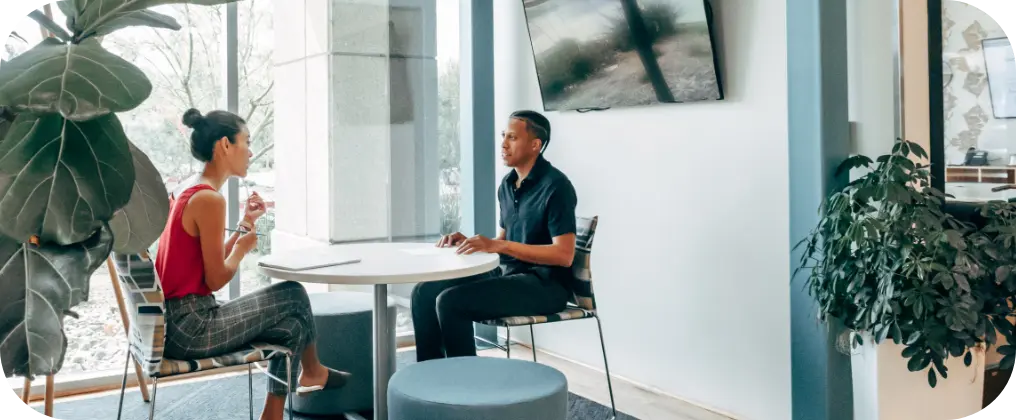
(242,232)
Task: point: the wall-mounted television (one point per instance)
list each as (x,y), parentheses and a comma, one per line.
(598,54)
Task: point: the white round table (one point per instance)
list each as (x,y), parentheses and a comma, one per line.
(382,264)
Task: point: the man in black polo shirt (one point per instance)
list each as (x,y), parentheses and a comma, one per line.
(536,242)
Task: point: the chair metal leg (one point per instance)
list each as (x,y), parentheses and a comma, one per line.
(26,391)
(50,395)
(250,390)
(610,386)
(532,337)
(508,341)
(155,392)
(289,384)
(123,385)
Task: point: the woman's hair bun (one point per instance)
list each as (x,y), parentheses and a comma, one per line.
(192,118)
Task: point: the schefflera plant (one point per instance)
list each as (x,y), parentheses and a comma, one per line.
(73,188)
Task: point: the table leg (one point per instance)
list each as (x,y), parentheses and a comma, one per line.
(382,364)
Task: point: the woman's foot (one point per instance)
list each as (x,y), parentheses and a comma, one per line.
(317,376)
(322,377)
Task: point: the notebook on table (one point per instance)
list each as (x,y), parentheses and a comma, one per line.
(307,261)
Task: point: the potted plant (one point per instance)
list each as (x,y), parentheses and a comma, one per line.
(921,290)
(73,188)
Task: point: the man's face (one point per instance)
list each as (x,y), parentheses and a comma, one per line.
(517,144)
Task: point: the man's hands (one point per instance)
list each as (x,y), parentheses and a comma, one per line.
(480,243)
(466,246)
(448,241)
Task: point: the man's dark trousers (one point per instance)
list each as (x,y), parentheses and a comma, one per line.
(444,311)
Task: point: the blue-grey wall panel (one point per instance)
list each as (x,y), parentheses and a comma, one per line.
(819,140)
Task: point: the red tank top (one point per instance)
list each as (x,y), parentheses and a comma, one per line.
(178,262)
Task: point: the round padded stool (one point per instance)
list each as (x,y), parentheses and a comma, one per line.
(478,388)
(345,331)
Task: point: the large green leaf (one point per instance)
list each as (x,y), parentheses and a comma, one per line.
(47,23)
(80,81)
(138,18)
(94,14)
(137,225)
(62,179)
(6,118)
(69,7)
(40,286)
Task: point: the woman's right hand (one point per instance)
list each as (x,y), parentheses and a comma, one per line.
(246,242)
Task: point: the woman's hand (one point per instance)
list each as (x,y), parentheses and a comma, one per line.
(255,208)
(246,242)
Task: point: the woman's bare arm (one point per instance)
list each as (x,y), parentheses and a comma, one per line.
(230,242)
(207,211)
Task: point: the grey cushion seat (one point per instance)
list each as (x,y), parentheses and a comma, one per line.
(478,388)
(344,322)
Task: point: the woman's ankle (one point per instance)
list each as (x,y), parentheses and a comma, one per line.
(314,369)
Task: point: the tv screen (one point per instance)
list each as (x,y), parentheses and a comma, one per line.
(596,54)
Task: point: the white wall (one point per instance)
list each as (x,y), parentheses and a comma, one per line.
(692,256)
(870,52)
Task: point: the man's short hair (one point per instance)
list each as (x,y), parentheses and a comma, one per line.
(537,125)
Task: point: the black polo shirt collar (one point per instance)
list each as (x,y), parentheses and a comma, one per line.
(539,169)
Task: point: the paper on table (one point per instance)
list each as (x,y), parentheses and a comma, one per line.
(310,261)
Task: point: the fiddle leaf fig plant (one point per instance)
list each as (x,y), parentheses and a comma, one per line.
(78,81)
(140,222)
(73,188)
(891,264)
(62,179)
(33,341)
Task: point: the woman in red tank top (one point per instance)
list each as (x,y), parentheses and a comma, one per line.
(195,259)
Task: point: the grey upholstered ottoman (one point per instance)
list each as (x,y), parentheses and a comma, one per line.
(478,388)
(345,342)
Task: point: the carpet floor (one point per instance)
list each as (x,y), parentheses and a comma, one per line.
(226,399)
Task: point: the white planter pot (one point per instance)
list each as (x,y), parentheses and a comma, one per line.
(884,389)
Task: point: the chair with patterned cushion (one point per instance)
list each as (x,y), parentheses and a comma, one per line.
(145,307)
(581,306)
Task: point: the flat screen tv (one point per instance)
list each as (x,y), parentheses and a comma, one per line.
(598,54)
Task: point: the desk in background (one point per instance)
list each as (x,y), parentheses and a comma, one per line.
(981,174)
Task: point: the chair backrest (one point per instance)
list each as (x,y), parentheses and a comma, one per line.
(582,285)
(145,304)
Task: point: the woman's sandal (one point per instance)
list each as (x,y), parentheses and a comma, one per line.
(336,379)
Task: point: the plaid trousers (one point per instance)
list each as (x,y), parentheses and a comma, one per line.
(280,314)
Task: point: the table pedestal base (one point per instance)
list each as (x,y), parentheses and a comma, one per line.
(384,367)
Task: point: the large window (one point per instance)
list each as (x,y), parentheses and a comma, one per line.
(449,107)
(446,108)
(256,91)
(188,69)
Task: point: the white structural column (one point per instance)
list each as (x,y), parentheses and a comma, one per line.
(356,121)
